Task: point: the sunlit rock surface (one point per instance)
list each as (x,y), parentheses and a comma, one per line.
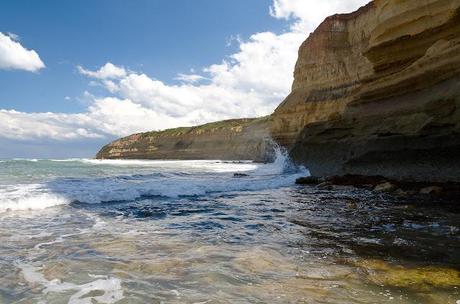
(238,139)
(377,92)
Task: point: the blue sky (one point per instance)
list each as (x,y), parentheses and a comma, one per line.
(77,74)
(160,38)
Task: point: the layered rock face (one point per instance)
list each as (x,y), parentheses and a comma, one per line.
(377,92)
(239,139)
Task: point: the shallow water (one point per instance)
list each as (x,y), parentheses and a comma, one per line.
(84,231)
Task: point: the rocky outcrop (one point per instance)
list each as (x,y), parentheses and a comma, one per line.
(238,139)
(377,92)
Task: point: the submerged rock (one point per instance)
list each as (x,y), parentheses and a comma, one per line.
(400,188)
(419,278)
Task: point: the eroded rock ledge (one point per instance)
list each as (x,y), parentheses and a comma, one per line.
(377,92)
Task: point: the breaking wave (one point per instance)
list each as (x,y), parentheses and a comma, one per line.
(171,179)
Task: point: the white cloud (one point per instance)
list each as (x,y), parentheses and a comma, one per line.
(19,125)
(14,36)
(105,117)
(310,13)
(14,56)
(108,71)
(111,86)
(251,82)
(190,78)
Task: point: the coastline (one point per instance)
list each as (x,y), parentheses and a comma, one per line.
(375,93)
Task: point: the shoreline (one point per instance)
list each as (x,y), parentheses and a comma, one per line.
(401,188)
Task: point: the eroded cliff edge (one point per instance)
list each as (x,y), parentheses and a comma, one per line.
(237,139)
(377,92)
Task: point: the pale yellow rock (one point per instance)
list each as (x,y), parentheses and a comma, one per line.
(236,139)
(385,187)
(381,50)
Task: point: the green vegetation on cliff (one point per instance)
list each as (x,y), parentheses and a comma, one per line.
(233,139)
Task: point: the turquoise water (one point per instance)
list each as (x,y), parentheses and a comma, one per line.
(88,231)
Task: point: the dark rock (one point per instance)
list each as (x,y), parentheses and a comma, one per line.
(356,180)
(431,190)
(308,180)
(401,192)
(326,186)
(240,175)
(352,204)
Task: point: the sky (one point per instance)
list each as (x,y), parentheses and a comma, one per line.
(75,75)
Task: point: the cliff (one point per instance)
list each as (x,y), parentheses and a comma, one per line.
(377,92)
(238,139)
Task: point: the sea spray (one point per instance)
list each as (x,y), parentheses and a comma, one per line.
(96,182)
(282,163)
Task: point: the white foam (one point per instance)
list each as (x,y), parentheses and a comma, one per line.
(40,245)
(140,162)
(178,178)
(113,189)
(59,239)
(66,160)
(28,197)
(204,165)
(26,159)
(40,235)
(111,287)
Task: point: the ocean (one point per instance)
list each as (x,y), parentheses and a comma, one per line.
(135,231)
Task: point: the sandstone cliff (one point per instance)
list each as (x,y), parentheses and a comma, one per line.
(238,139)
(378,92)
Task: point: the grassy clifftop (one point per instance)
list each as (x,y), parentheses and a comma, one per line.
(230,139)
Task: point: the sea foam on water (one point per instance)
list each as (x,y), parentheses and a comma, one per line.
(121,180)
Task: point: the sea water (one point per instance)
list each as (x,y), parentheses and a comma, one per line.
(134,231)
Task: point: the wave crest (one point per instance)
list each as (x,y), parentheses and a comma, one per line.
(212,179)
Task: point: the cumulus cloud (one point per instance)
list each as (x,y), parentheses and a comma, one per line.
(249,83)
(190,78)
(105,116)
(13,56)
(108,71)
(308,14)
(19,125)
